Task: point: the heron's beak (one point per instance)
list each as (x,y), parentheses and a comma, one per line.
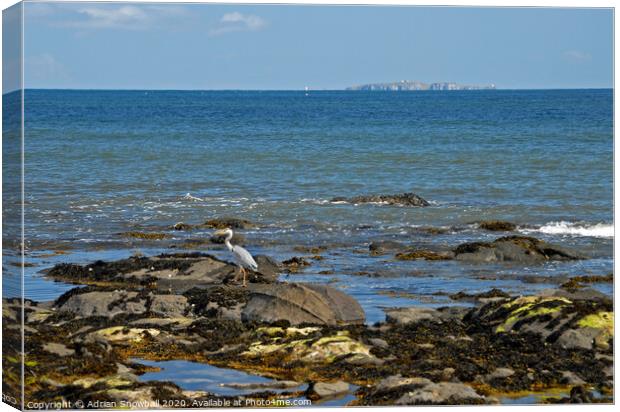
(220,232)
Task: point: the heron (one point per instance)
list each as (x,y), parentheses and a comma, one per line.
(242,257)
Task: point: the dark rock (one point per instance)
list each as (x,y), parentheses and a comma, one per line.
(517,249)
(295,264)
(268,268)
(237,239)
(497,226)
(229,222)
(382,246)
(424,254)
(181,226)
(404,199)
(493,293)
(296,303)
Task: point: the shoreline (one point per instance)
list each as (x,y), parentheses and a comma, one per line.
(181,306)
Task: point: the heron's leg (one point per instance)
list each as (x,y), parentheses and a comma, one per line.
(244,276)
(236,278)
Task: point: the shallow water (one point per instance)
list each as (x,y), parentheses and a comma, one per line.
(99,163)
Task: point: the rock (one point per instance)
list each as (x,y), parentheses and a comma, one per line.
(442,393)
(516,249)
(296,303)
(108,304)
(405,316)
(424,254)
(571,324)
(237,239)
(493,293)
(447,374)
(403,199)
(229,222)
(380,343)
(421,391)
(571,378)
(327,389)
(324,350)
(497,226)
(123,334)
(268,268)
(382,246)
(169,271)
(499,373)
(169,306)
(58,349)
(295,264)
(181,226)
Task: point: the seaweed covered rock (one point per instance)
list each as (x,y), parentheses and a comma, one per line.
(229,222)
(516,249)
(570,324)
(401,199)
(306,345)
(179,271)
(497,225)
(296,303)
(424,254)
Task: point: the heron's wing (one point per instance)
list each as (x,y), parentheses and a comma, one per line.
(244,258)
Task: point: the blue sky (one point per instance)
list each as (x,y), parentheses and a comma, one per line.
(183,46)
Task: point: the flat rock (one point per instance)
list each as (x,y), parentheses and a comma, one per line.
(108,304)
(442,393)
(169,306)
(402,199)
(58,349)
(327,389)
(405,316)
(297,303)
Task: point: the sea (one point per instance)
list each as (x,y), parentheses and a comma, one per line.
(101,163)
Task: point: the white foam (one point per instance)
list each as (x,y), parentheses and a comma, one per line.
(602,230)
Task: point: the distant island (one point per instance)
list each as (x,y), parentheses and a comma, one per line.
(413,85)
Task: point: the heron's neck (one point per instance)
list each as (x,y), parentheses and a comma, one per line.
(227,241)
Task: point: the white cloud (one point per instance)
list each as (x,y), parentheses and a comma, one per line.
(235,21)
(122,17)
(577,55)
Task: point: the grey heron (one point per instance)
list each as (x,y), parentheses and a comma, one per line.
(242,257)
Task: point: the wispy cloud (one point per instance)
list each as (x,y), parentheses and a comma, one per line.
(129,17)
(577,55)
(235,21)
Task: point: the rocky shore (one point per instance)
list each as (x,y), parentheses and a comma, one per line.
(310,339)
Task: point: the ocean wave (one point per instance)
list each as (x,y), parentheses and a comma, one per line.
(602,230)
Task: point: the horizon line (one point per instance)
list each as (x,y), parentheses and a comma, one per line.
(299,90)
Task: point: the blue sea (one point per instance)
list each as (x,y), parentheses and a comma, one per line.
(99,163)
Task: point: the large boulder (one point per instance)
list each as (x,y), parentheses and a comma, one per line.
(401,199)
(228,222)
(567,323)
(517,249)
(296,303)
(108,304)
